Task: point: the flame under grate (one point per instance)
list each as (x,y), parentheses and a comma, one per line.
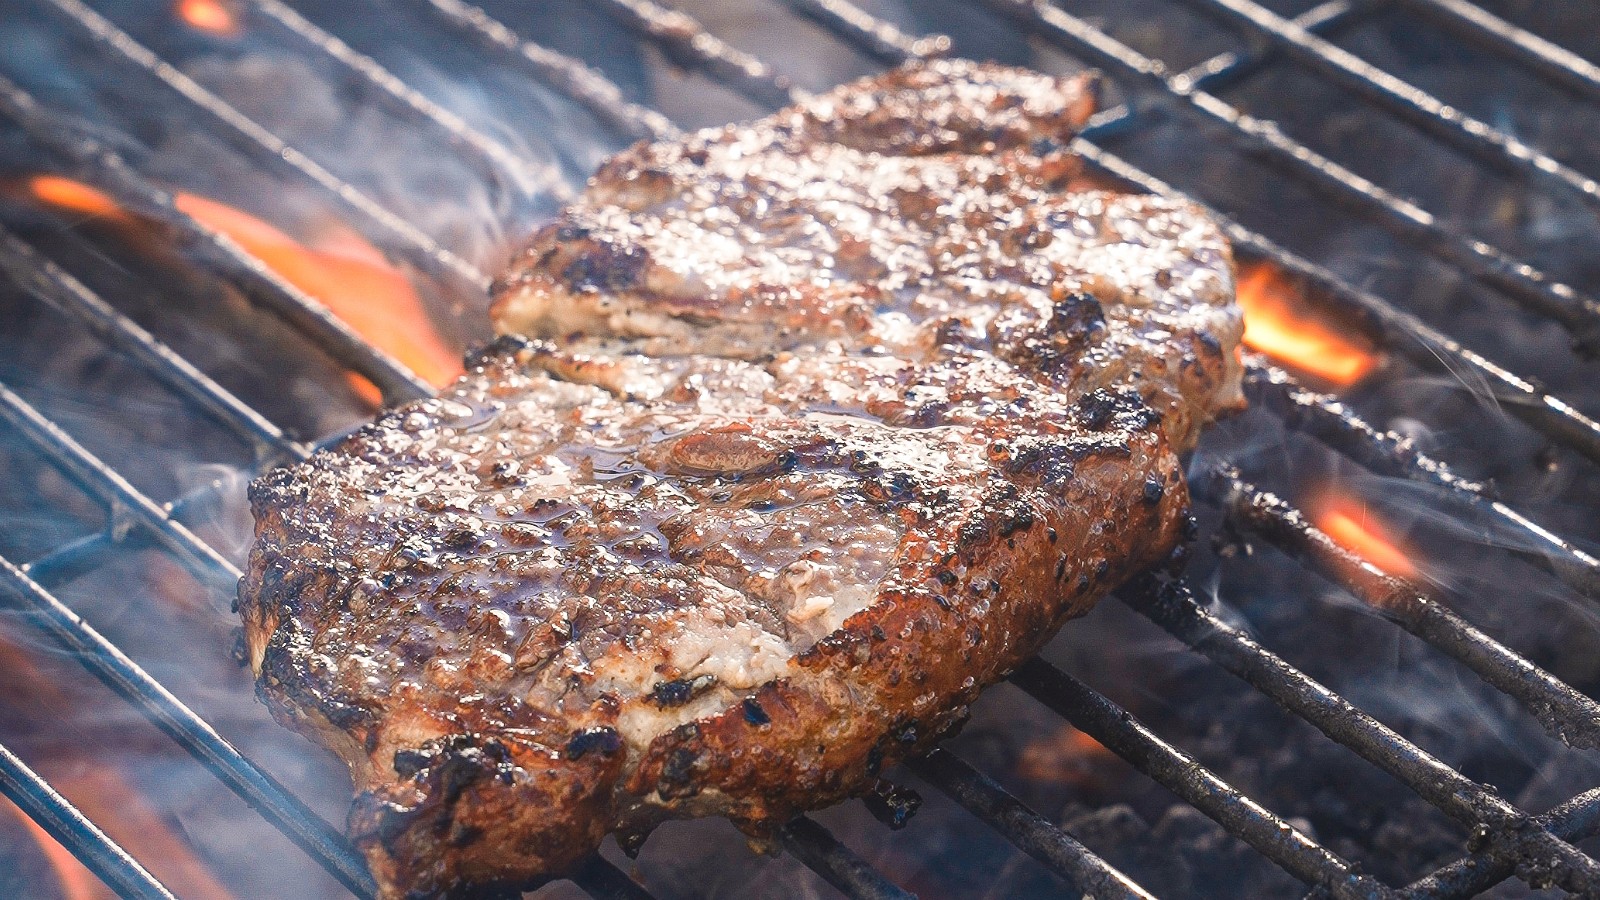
(1505,840)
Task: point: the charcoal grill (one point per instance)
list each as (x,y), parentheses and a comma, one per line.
(1505,841)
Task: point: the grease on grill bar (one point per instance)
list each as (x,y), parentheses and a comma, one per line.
(1506,841)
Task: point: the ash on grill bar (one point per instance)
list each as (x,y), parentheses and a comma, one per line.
(232,229)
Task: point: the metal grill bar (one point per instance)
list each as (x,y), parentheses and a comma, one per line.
(1111,725)
(837,864)
(1422,344)
(77,556)
(1408,102)
(1224,785)
(107,170)
(268,149)
(500,158)
(878,38)
(1575,311)
(1035,835)
(111,489)
(122,675)
(1509,834)
(109,862)
(590,89)
(1335,425)
(604,881)
(687,44)
(1553,62)
(1573,820)
(1414,334)
(1569,715)
(1230,67)
(42,278)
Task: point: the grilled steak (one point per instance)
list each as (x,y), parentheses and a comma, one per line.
(789,465)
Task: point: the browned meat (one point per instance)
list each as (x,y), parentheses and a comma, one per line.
(790,476)
(918,214)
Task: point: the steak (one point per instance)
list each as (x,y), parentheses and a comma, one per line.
(802,432)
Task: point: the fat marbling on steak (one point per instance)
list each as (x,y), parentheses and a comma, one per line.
(804,431)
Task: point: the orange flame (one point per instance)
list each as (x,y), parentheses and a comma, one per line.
(1349,523)
(1063,756)
(75,881)
(74,196)
(343,271)
(1279,327)
(33,695)
(350,277)
(214,17)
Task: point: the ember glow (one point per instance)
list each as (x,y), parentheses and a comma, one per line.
(74,881)
(1349,523)
(1276,324)
(214,17)
(74,196)
(340,269)
(352,278)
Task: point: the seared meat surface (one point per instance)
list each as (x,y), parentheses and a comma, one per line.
(789,466)
(918,214)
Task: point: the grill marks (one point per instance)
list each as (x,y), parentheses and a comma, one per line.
(791,483)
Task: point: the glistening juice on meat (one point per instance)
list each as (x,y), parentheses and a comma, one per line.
(802,432)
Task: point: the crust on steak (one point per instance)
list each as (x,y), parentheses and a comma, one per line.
(826,423)
(917,214)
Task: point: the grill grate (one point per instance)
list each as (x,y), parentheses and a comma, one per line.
(1509,841)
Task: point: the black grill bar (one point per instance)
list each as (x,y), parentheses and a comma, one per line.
(109,862)
(1577,312)
(1406,101)
(111,489)
(1231,67)
(1423,345)
(1554,62)
(501,159)
(687,44)
(1335,425)
(878,38)
(1511,833)
(1111,725)
(1469,876)
(69,141)
(604,881)
(1508,834)
(1032,833)
(587,87)
(42,278)
(1569,715)
(269,150)
(837,864)
(122,675)
(81,555)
